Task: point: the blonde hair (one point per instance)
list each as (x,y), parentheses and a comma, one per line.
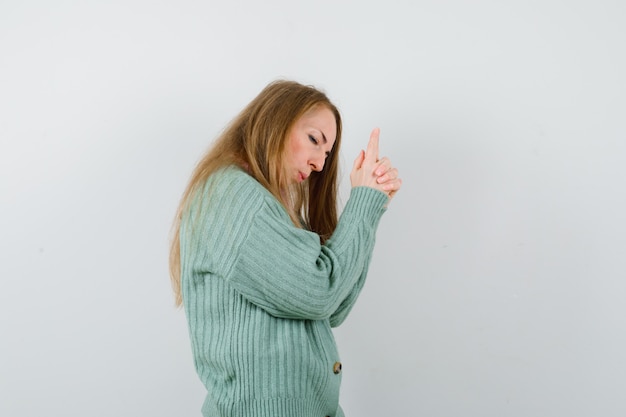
(255,140)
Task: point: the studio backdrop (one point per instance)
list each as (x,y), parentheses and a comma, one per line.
(497,284)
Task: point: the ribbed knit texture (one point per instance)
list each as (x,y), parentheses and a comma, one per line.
(261,296)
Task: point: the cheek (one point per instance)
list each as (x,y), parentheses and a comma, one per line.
(295,153)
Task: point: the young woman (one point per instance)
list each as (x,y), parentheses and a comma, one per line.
(261,262)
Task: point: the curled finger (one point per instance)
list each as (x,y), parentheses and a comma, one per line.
(392,186)
(391,174)
(382,166)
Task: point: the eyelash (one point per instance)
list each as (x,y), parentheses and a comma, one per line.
(316,142)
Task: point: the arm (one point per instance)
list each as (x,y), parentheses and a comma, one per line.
(338,317)
(286,271)
(386,180)
(238,232)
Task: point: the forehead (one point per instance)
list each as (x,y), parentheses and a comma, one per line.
(320,118)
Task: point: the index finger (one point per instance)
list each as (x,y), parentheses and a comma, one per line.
(371,153)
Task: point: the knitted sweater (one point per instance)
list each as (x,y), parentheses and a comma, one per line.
(261,296)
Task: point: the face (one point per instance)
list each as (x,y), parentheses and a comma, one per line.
(309,142)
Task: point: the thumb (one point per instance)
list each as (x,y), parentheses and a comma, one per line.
(358,161)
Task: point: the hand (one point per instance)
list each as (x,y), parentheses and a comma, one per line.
(369,171)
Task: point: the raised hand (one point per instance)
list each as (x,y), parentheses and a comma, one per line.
(369,171)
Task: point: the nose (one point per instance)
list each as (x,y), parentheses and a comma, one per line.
(317,164)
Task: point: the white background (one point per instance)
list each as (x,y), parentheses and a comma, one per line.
(498,284)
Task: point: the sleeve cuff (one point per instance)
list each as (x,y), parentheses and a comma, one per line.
(367,203)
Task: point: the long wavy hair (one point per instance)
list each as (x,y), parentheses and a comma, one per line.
(255,140)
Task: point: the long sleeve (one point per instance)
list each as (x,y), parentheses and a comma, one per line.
(340,315)
(285,270)
(254,246)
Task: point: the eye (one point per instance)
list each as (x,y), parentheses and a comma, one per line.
(312,139)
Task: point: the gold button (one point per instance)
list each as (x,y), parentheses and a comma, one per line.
(337,367)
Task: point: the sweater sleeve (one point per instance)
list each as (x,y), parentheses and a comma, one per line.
(339,316)
(245,236)
(287,272)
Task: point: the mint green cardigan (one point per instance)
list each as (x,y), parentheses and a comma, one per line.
(261,296)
